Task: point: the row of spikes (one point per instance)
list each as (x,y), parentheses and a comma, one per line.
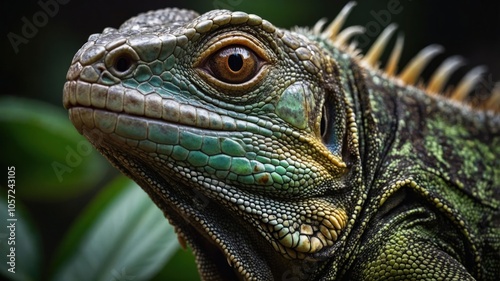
(411,73)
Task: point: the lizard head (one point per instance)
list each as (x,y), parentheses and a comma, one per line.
(239,131)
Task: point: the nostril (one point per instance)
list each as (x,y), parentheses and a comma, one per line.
(121,61)
(122,64)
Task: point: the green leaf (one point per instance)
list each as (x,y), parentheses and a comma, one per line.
(52,160)
(183,258)
(121,236)
(19,242)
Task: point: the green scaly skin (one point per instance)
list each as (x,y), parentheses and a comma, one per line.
(310,167)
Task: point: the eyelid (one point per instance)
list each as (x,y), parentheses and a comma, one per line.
(217,45)
(219,64)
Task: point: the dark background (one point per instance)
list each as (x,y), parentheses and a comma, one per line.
(38,69)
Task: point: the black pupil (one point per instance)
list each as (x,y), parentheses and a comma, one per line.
(235,62)
(122,64)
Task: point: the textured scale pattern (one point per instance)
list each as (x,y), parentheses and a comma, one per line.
(287,155)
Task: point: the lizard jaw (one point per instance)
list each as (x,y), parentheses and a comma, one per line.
(197,221)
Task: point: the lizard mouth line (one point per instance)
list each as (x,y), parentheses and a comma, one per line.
(167,140)
(119,102)
(127,102)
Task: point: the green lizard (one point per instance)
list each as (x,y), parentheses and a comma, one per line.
(287,155)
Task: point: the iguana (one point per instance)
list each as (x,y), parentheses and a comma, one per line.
(289,155)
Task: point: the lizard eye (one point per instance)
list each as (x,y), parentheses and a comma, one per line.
(233,64)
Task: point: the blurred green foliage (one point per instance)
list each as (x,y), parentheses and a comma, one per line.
(53,161)
(120,234)
(23,237)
